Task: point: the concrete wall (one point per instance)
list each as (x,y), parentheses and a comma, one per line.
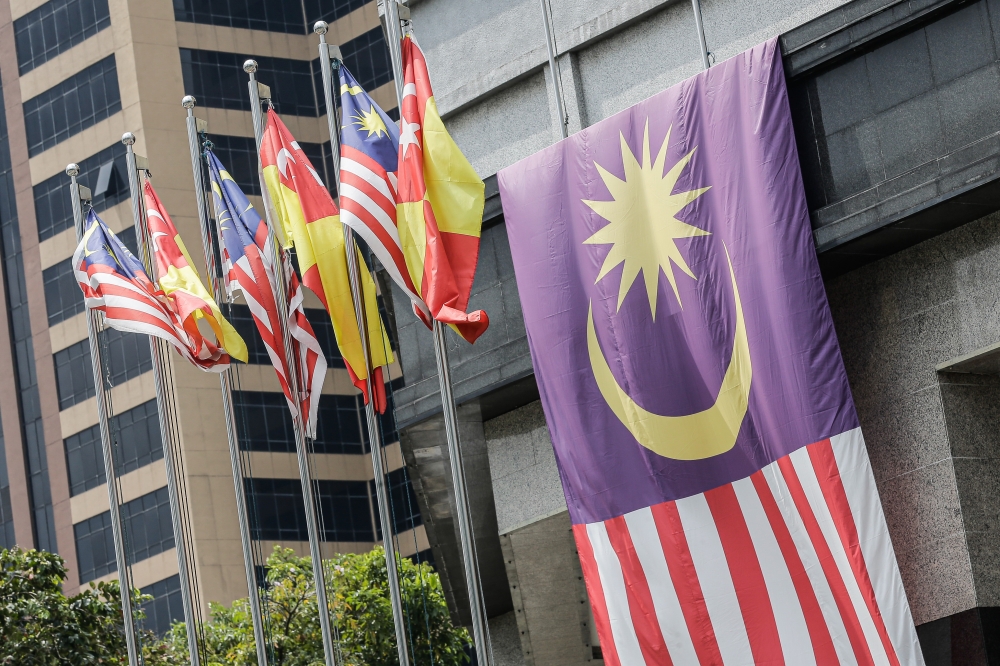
(932,437)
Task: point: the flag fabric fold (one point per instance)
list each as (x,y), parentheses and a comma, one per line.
(247,252)
(722,499)
(439,205)
(177,277)
(312,224)
(114,281)
(369,157)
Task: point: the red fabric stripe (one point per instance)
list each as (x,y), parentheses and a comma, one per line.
(595,590)
(685,581)
(840,595)
(386,204)
(640,601)
(828,474)
(819,632)
(748,579)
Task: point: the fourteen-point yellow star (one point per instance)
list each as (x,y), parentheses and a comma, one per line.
(644,228)
(370,121)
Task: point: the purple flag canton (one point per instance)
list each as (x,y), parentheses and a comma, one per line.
(675,311)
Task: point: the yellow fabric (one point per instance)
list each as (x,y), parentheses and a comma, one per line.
(186,280)
(321,244)
(413,238)
(453,188)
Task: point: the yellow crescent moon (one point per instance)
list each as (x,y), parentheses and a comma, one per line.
(695,436)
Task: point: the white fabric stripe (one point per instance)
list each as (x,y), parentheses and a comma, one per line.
(649,550)
(351,193)
(792,629)
(814,494)
(136,305)
(876,546)
(613,582)
(369,176)
(395,271)
(807,552)
(98,279)
(716,582)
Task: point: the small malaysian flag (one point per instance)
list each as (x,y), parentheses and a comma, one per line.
(246,256)
(369,157)
(115,282)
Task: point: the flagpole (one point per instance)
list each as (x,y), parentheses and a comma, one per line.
(374,434)
(700,27)
(301,450)
(477,606)
(164,404)
(80,194)
(550,44)
(226,382)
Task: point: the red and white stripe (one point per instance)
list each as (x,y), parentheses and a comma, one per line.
(368,206)
(139,308)
(792,565)
(253,276)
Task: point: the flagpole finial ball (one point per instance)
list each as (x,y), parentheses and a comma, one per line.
(189,102)
(250,66)
(128,138)
(320,27)
(72,169)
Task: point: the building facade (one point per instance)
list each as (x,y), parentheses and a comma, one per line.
(895,108)
(76,75)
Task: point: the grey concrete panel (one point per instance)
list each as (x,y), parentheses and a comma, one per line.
(550,598)
(506,640)
(425,449)
(937,577)
(526,484)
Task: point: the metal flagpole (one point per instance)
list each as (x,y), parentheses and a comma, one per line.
(550,44)
(696,5)
(301,450)
(374,433)
(79,194)
(164,402)
(477,607)
(226,381)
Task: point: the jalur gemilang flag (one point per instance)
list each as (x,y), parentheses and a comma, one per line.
(722,500)
(115,282)
(247,250)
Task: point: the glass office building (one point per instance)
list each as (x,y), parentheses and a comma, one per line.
(74,76)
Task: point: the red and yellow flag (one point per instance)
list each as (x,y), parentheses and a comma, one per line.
(311,223)
(179,280)
(440,204)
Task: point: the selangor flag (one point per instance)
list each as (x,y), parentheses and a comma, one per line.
(440,205)
(246,257)
(722,500)
(115,282)
(180,281)
(311,223)
(369,156)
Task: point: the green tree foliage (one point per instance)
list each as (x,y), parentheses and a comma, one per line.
(358,594)
(41,626)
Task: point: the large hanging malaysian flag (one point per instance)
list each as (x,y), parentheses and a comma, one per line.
(722,500)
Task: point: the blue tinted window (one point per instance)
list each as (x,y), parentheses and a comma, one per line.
(264,423)
(53,207)
(74,376)
(126,355)
(95,547)
(57,26)
(278,511)
(136,434)
(242,320)
(72,106)
(271,16)
(63,297)
(367,56)
(217,80)
(166,606)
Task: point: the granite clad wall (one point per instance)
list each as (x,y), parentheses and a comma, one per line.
(933,438)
